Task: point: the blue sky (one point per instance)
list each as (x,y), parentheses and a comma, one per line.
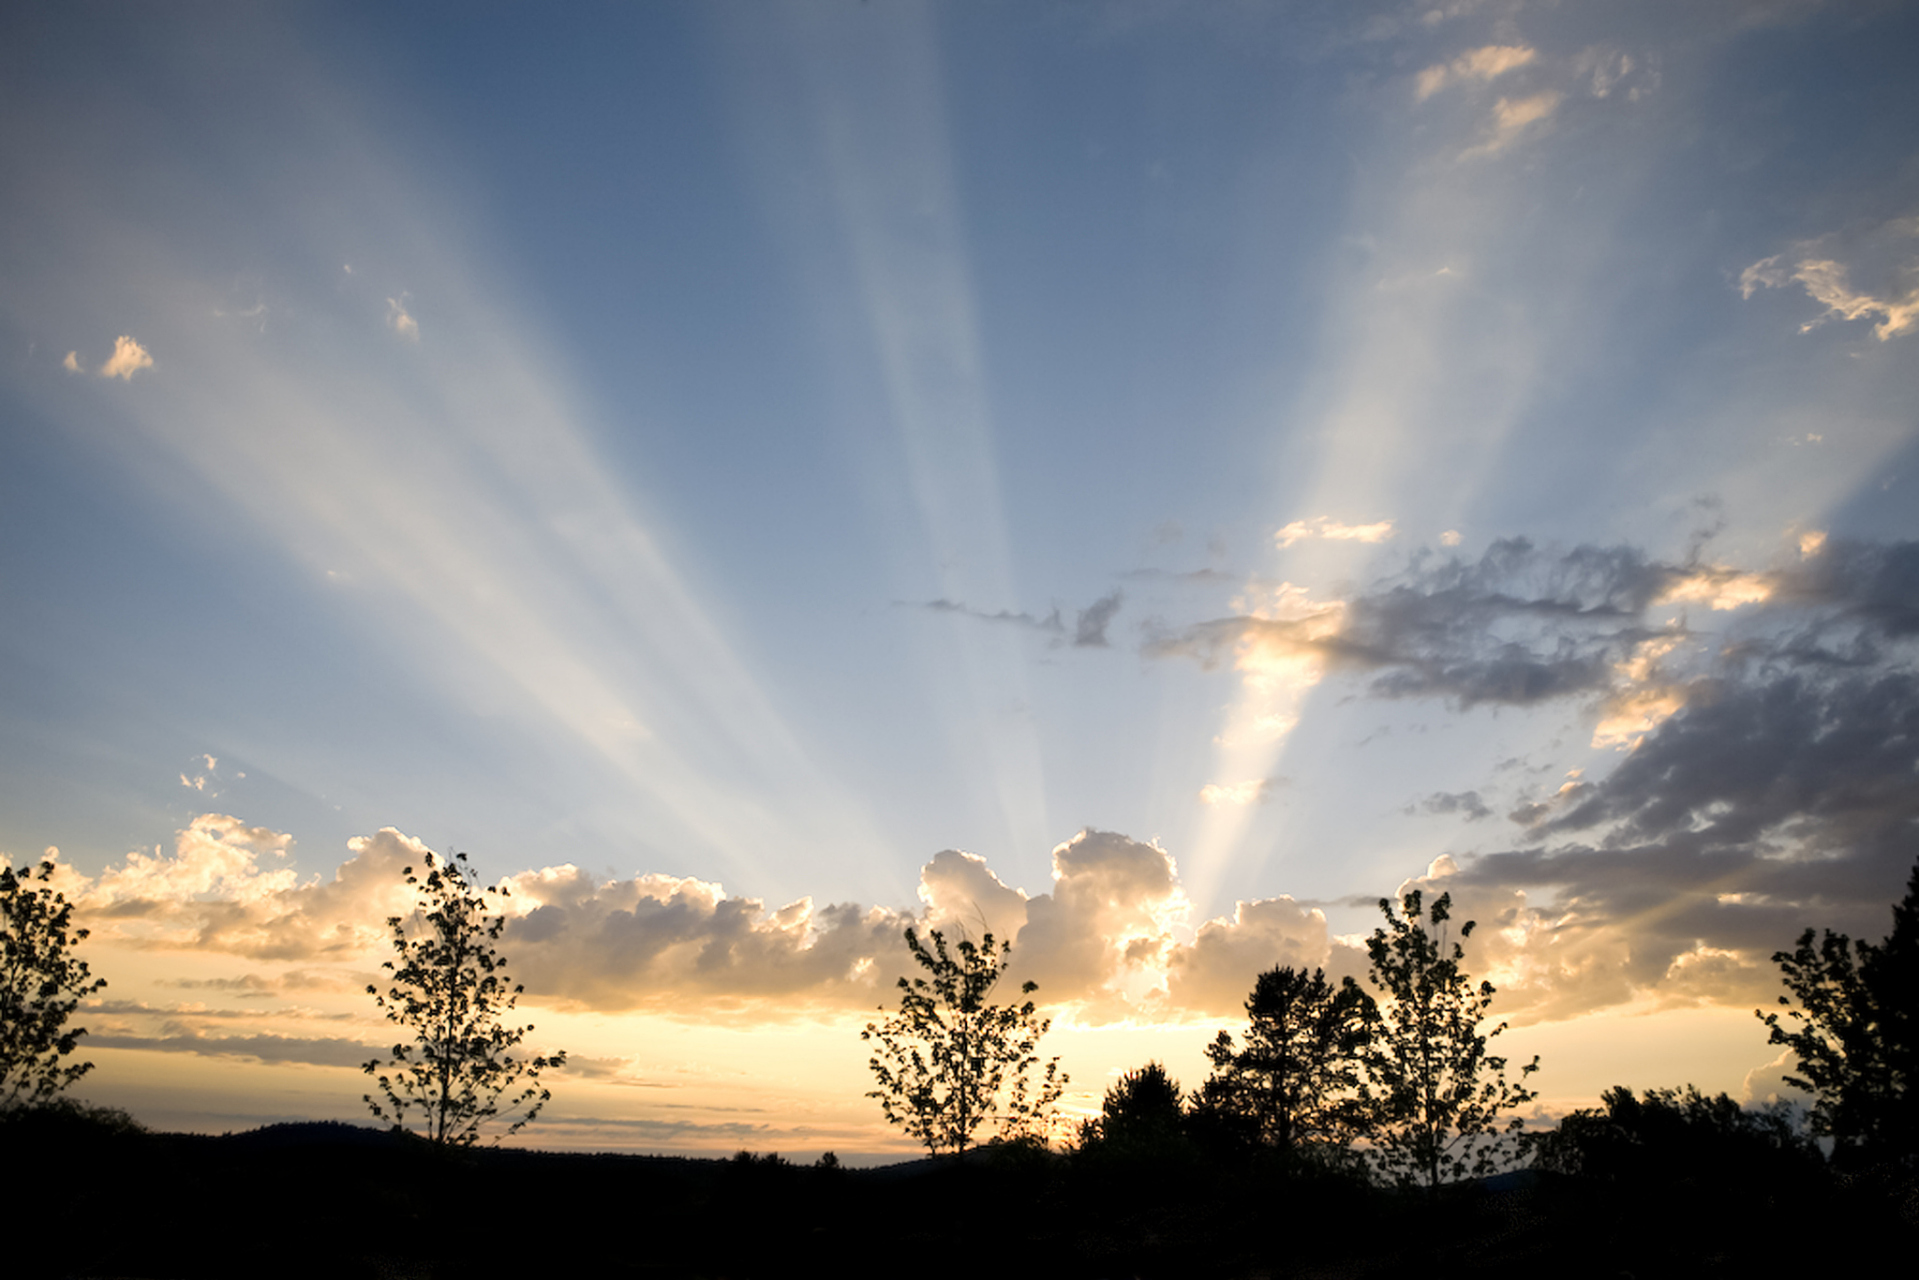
(772,444)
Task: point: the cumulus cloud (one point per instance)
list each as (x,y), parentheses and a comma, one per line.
(72,363)
(212,894)
(659,941)
(128,358)
(1332,530)
(1854,277)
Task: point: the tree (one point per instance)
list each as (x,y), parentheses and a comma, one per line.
(1434,1092)
(1857,1035)
(1142,1113)
(450,989)
(1676,1136)
(950,1060)
(1296,1081)
(41,984)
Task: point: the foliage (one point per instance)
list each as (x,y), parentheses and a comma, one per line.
(950,1060)
(1857,1035)
(450,989)
(41,984)
(1435,1094)
(1670,1135)
(1142,1113)
(1295,1083)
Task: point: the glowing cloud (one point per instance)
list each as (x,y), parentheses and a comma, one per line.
(1512,116)
(128,358)
(402,323)
(1721,587)
(1482,64)
(1250,791)
(1827,267)
(72,363)
(1333,531)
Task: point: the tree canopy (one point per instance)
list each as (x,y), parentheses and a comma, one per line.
(1854,1028)
(1294,1080)
(1436,1095)
(41,983)
(462,1068)
(950,1060)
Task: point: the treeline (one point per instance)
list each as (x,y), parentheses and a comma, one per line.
(1343,1131)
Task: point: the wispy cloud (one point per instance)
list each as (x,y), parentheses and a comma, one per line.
(401,321)
(1482,64)
(1512,117)
(1827,267)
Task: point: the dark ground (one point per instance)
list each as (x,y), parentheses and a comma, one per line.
(100,1199)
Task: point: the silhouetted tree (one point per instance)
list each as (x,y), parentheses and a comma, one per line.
(41,984)
(450,989)
(1142,1113)
(1296,1079)
(1672,1136)
(1435,1094)
(950,1060)
(1857,1035)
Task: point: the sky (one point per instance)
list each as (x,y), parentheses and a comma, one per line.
(1144,479)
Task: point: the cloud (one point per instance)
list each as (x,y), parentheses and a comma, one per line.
(679,944)
(1768,787)
(1332,530)
(1483,64)
(72,363)
(1249,791)
(211,894)
(400,321)
(1513,116)
(128,358)
(1090,629)
(1450,538)
(1524,625)
(1829,266)
(312,1051)
(1214,974)
(1465,803)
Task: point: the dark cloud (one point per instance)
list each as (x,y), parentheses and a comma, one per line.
(324,1052)
(1050,623)
(1090,629)
(1466,803)
(1523,625)
(1763,807)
